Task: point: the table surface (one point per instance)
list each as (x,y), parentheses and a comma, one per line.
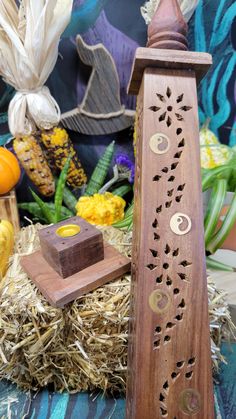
(16,404)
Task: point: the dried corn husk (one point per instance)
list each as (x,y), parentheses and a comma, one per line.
(29,37)
(150,6)
(84,345)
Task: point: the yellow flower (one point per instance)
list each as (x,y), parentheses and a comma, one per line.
(100,209)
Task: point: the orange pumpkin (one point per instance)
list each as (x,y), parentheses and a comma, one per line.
(9,171)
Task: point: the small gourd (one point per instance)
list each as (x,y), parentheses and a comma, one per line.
(101,209)
(9,171)
(213,153)
(6,245)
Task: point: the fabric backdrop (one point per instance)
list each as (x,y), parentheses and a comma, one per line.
(118,24)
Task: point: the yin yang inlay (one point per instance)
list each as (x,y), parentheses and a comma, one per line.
(180,223)
(159,143)
(159,301)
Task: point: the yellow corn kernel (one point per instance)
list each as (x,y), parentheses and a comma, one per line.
(58,147)
(33,161)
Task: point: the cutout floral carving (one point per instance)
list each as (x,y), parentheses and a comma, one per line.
(189,399)
(174,164)
(151,266)
(172,109)
(154,253)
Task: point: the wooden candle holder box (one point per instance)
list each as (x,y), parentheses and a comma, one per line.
(71,254)
(68,267)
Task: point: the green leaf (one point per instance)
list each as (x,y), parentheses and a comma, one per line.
(60,189)
(227,225)
(214,208)
(44,207)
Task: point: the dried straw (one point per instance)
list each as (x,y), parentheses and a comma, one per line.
(82,346)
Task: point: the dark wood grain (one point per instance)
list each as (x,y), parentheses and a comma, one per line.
(72,254)
(59,291)
(169,353)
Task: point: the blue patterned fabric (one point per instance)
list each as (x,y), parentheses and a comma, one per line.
(78,406)
(121,29)
(45,405)
(212,30)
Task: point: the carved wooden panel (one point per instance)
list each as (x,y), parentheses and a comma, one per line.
(169,353)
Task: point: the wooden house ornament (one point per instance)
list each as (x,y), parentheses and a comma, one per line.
(73,261)
(169,363)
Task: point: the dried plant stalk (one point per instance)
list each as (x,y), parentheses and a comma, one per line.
(29,36)
(150,6)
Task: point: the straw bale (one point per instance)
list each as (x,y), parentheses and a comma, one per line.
(84,345)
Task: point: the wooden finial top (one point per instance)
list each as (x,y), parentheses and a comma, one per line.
(168,28)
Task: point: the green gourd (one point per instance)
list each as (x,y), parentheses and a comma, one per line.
(100,172)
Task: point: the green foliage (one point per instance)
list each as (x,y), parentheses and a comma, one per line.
(100,172)
(49,212)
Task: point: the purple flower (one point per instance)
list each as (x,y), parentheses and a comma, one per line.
(125,165)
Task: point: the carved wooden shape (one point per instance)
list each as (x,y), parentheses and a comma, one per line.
(59,291)
(163,58)
(169,363)
(101,111)
(169,353)
(69,250)
(168,29)
(73,261)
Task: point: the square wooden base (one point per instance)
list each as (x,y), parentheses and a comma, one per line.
(59,291)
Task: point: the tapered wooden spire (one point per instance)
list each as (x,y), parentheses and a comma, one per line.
(169,364)
(168,28)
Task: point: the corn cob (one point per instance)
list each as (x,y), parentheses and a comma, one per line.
(33,161)
(58,147)
(47,154)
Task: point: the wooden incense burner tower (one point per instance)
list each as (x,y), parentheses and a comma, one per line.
(170,373)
